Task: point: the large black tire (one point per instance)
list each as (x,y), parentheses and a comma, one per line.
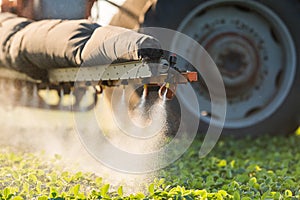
(278,87)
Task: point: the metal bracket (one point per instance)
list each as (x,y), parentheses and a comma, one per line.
(120,74)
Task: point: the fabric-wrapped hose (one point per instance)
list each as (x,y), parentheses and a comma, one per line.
(33,47)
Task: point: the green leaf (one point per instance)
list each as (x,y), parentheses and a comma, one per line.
(33,178)
(298,132)
(76,189)
(98,181)
(223,193)
(188,197)
(78,175)
(18,198)
(53,192)
(104,190)
(236,195)
(140,195)
(246,198)
(222,163)
(120,191)
(288,193)
(201,193)
(151,189)
(38,187)
(6,192)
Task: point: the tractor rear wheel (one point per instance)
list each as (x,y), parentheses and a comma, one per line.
(256,46)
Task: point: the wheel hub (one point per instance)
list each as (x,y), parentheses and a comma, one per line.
(235,56)
(231,62)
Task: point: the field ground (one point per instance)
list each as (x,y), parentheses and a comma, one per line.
(264,168)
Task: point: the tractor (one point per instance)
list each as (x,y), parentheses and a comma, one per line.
(254,43)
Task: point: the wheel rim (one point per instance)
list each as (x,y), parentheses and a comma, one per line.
(254,52)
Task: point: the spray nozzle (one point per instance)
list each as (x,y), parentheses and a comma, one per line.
(167,91)
(167,85)
(145,92)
